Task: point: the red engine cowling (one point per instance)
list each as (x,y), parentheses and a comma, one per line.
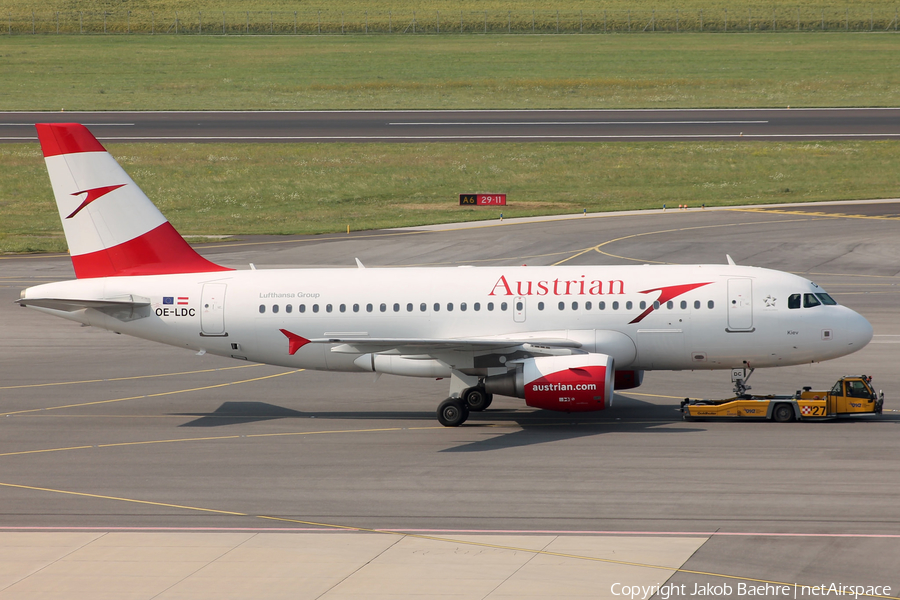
(577,383)
(628,380)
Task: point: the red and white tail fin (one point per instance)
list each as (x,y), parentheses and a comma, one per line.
(111,227)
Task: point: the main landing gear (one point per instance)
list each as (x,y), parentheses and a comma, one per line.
(453,412)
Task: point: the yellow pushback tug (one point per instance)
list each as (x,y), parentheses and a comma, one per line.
(850,396)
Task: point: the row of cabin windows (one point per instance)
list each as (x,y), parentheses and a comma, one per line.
(463,307)
(810,300)
(629,305)
(410,307)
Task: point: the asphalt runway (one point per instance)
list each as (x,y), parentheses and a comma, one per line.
(99,432)
(470,126)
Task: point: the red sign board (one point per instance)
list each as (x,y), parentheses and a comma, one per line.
(482,199)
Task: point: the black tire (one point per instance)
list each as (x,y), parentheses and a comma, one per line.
(783,413)
(452,412)
(477,399)
(487,403)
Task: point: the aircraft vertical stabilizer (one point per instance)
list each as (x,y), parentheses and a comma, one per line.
(111,227)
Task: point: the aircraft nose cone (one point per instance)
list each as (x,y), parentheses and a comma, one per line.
(859,331)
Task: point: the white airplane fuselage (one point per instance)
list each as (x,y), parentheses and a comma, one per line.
(739,317)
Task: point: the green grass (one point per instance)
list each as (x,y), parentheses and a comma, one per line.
(379,72)
(215,189)
(439,16)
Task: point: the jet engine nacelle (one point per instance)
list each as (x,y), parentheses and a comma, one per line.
(628,380)
(576,383)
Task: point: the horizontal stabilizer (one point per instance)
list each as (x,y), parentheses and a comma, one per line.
(73,304)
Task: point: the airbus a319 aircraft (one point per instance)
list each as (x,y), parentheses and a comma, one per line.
(563,338)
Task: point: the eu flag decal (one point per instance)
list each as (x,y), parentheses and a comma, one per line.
(168,300)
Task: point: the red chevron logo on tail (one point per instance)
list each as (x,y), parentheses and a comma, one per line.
(93,194)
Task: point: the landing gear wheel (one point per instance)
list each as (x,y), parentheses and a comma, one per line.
(783,413)
(477,399)
(452,412)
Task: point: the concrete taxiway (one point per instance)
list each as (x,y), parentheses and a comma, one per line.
(148,471)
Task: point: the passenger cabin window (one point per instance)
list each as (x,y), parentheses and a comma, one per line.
(477,306)
(587,305)
(274,308)
(504,306)
(423,307)
(540,306)
(356,308)
(562,306)
(490,306)
(262,308)
(794,301)
(288,308)
(810,300)
(696,304)
(628,305)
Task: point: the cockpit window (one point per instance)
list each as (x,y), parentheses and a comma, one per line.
(826,299)
(794,301)
(810,300)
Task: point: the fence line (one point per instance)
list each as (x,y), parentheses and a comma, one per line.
(551,21)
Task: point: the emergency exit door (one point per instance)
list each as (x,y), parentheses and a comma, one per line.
(212,310)
(740,304)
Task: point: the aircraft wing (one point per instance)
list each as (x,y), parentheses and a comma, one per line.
(417,346)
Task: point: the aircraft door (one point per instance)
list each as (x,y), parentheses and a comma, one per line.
(740,305)
(519,309)
(212,310)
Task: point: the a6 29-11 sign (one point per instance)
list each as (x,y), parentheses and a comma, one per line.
(482,199)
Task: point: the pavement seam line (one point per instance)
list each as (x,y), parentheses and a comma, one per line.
(520,567)
(201,567)
(361,567)
(53,562)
